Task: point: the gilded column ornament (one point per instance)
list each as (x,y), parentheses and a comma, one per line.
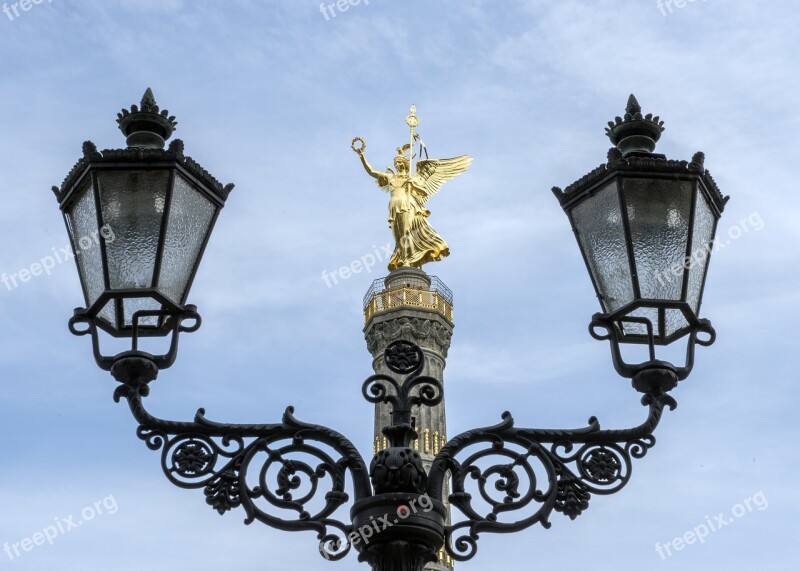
(416,242)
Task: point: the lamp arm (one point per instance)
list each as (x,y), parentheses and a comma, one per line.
(267,469)
(535,470)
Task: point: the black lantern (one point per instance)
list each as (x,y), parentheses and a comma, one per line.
(139,219)
(645,226)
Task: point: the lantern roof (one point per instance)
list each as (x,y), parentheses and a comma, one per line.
(635,136)
(146,128)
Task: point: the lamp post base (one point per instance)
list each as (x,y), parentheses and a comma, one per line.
(398,531)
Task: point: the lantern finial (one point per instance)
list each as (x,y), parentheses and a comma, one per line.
(149,101)
(632,108)
(146,126)
(635,133)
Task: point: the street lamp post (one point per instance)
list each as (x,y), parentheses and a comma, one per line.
(644,225)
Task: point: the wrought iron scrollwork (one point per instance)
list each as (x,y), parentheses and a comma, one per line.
(398,468)
(405,358)
(262,468)
(287,467)
(534,471)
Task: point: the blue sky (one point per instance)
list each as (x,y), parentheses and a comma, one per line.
(268,95)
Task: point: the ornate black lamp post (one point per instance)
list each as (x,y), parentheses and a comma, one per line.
(644,225)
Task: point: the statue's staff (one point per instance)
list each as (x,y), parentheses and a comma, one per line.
(412,121)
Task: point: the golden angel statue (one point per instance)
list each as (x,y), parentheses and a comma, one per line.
(416,242)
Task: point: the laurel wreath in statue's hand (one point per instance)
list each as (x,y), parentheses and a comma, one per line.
(362,148)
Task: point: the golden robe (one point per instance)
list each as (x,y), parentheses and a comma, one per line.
(416,242)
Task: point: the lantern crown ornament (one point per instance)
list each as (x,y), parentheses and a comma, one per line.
(139,219)
(645,225)
(635,132)
(146,125)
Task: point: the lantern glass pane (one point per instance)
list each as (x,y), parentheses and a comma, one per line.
(131,305)
(658,215)
(675,320)
(649,313)
(109,313)
(133,208)
(703,234)
(190,216)
(601,233)
(82,226)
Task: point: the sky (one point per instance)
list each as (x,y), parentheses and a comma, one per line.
(268,95)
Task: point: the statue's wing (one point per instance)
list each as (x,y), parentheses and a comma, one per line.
(432,173)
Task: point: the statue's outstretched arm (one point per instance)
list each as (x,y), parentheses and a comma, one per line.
(368,167)
(381,177)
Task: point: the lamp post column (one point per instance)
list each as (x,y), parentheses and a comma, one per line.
(408,305)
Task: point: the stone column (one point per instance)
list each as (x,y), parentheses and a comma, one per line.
(409,305)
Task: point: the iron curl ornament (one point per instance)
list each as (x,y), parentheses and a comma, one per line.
(534,471)
(295,476)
